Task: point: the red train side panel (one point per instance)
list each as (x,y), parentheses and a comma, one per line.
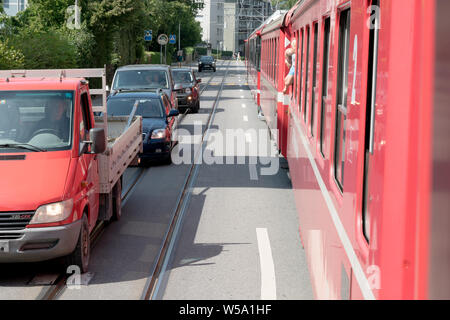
(359,142)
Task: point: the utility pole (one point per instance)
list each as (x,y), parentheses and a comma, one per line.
(179,36)
(77,23)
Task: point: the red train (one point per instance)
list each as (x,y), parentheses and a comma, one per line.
(365,128)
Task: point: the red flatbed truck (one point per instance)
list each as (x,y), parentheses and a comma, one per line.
(61,167)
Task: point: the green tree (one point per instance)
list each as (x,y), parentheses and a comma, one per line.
(46,50)
(166,16)
(111,30)
(10,58)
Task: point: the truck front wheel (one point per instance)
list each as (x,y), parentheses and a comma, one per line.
(80,256)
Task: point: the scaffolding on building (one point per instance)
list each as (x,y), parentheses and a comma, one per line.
(250,14)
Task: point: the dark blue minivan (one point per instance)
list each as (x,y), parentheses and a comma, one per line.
(158,121)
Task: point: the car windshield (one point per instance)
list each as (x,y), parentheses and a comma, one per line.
(141,79)
(41,119)
(182,76)
(206,59)
(147,108)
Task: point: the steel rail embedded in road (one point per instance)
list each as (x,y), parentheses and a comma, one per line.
(56,289)
(151,287)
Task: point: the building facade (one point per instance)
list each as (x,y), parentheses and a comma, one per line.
(211,19)
(227,23)
(250,14)
(12,7)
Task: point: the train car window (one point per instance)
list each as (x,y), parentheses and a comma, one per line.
(296,66)
(314,84)
(325,62)
(341,103)
(300,75)
(305,105)
(263,59)
(258,54)
(276,62)
(270,59)
(370,117)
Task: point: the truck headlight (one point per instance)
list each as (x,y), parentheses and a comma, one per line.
(159,134)
(54,212)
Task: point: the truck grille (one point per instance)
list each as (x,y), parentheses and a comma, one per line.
(12,221)
(10,236)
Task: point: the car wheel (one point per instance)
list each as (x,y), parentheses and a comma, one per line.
(80,256)
(168,159)
(196,108)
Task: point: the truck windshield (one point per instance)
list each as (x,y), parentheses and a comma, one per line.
(141,79)
(39,119)
(147,108)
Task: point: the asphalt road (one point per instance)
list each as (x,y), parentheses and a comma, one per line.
(238,237)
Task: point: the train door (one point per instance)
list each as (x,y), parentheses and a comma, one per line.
(369,149)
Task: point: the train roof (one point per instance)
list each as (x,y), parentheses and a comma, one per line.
(294,11)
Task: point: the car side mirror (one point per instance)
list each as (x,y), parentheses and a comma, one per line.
(173,113)
(98,140)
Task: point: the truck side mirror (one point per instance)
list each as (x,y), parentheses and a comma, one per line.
(98,140)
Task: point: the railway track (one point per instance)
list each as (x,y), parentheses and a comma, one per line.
(59,285)
(153,283)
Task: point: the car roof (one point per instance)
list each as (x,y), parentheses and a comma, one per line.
(207,57)
(144,67)
(182,69)
(134,94)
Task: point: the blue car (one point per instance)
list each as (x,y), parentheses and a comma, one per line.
(158,121)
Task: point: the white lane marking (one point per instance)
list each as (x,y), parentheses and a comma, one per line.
(356,265)
(186,201)
(244,106)
(245,118)
(268,283)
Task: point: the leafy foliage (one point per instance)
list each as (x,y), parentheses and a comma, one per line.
(46,50)
(111,31)
(10,58)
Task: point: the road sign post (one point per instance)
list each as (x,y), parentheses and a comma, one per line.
(162,40)
(148,35)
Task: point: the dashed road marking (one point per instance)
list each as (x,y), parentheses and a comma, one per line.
(268,283)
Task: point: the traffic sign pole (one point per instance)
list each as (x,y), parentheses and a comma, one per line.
(162,40)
